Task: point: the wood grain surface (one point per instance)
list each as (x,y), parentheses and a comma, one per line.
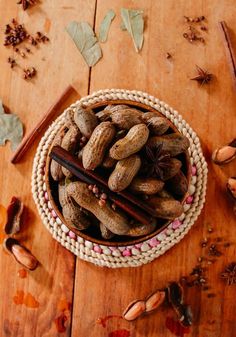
(92,291)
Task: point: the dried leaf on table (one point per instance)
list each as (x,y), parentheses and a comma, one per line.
(122,26)
(105,25)
(134,24)
(85,40)
(11,128)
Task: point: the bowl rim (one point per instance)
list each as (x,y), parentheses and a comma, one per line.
(132,241)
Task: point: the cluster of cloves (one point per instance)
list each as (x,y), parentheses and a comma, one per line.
(15,35)
(193,34)
(173,294)
(21,254)
(224,155)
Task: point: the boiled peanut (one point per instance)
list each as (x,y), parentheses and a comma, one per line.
(174,165)
(224,155)
(21,254)
(158,125)
(116,107)
(55,168)
(99,141)
(124,172)
(108,162)
(86,121)
(134,310)
(148,115)
(135,139)
(74,216)
(147,186)
(141,229)
(70,118)
(173,143)
(155,300)
(103,115)
(117,223)
(178,184)
(166,208)
(105,232)
(165,194)
(70,143)
(62,193)
(125,119)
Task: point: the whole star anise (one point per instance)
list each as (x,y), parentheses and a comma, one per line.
(26,3)
(156,161)
(229,274)
(203,77)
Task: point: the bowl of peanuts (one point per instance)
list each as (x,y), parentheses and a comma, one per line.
(117,172)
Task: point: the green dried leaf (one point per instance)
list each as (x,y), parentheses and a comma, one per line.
(134,24)
(11,128)
(122,26)
(85,40)
(105,25)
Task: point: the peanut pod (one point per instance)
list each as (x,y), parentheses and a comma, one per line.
(124,172)
(99,141)
(148,115)
(134,310)
(117,223)
(158,125)
(105,232)
(108,162)
(86,121)
(74,216)
(127,118)
(155,300)
(225,154)
(165,194)
(141,229)
(173,143)
(70,143)
(21,254)
(135,139)
(55,168)
(178,185)
(166,208)
(116,107)
(147,186)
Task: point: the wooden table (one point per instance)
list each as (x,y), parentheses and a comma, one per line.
(61,278)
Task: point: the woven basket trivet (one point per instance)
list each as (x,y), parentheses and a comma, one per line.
(130,256)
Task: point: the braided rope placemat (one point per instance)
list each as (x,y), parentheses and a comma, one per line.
(130,256)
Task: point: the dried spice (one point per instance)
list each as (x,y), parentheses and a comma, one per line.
(85,40)
(29,73)
(134,24)
(26,3)
(203,77)
(21,254)
(105,25)
(156,161)
(12,62)
(15,34)
(231,187)
(229,274)
(193,34)
(196,19)
(14,213)
(11,128)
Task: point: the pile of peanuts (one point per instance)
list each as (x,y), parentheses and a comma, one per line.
(113,140)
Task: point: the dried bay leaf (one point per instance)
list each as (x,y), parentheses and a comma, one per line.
(105,25)
(85,40)
(134,24)
(11,128)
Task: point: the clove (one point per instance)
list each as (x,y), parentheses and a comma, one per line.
(21,254)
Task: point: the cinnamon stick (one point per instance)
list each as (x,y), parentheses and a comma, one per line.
(231,56)
(29,139)
(124,200)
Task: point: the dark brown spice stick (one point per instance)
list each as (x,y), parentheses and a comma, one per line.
(130,204)
(229,49)
(29,139)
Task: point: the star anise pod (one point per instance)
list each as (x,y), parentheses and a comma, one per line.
(229,274)
(26,3)
(204,77)
(156,161)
